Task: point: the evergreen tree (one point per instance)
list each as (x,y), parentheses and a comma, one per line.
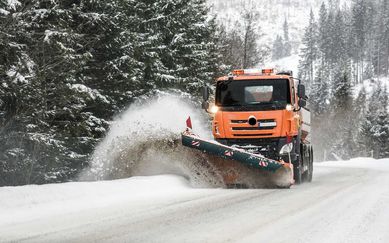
(309,52)
(278,48)
(287,46)
(352,45)
(231,46)
(341,105)
(339,41)
(324,35)
(319,105)
(359,110)
(381,127)
(55,127)
(239,45)
(374,127)
(68,67)
(380,59)
(251,55)
(359,18)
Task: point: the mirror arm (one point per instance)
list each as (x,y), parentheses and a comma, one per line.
(296,110)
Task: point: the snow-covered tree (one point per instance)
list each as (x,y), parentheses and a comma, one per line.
(380,57)
(67,67)
(374,130)
(287,45)
(240,44)
(309,52)
(278,48)
(359,110)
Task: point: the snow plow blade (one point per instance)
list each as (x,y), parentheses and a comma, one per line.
(230,153)
(225,158)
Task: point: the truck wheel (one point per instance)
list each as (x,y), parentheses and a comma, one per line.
(307,175)
(297,172)
(310,168)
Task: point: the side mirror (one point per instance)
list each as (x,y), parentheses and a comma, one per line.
(205,93)
(302,103)
(301,91)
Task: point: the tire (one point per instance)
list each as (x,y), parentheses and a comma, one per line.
(310,169)
(297,172)
(307,175)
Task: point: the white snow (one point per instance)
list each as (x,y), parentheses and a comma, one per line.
(361,163)
(159,118)
(92,93)
(13,4)
(49,34)
(25,203)
(348,201)
(370,84)
(285,64)
(3,11)
(16,76)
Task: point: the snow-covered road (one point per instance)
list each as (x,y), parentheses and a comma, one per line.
(346,202)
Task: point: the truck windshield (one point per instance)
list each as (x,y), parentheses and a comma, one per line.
(253,94)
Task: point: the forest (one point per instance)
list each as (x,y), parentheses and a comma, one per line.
(67,68)
(344,51)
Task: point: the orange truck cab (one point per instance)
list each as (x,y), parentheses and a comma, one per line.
(263,112)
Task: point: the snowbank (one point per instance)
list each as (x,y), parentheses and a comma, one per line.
(24,203)
(55,212)
(363,163)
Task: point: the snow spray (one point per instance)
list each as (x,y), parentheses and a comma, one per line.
(145,140)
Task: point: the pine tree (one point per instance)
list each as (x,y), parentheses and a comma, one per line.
(68,67)
(374,128)
(287,45)
(341,103)
(57,98)
(339,41)
(278,48)
(319,104)
(231,46)
(251,55)
(359,18)
(359,110)
(309,52)
(323,29)
(239,46)
(381,128)
(380,59)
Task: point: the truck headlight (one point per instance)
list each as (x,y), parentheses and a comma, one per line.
(289,107)
(287,148)
(214,109)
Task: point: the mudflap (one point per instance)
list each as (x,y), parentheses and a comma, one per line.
(238,167)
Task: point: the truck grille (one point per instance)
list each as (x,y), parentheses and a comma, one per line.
(268,147)
(268,124)
(253,135)
(247,121)
(250,128)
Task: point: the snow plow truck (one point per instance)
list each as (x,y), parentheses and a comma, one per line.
(259,122)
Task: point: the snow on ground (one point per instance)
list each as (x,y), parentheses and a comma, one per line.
(25,203)
(370,85)
(362,163)
(348,201)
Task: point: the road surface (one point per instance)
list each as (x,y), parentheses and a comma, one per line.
(346,202)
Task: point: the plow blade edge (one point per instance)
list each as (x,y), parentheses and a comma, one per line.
(231,153)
